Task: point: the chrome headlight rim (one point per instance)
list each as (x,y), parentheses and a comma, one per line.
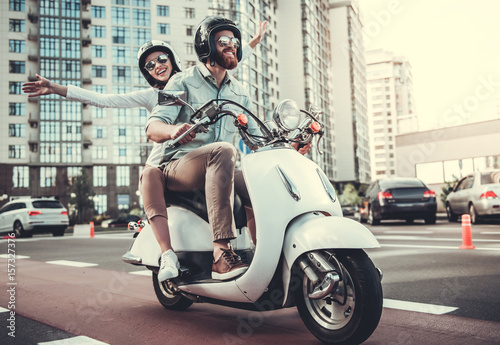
(283,114)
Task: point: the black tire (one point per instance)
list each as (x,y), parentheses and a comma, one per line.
(352,323)
(474,218)
(430,220)
(167,299)
(19,230)
(371,218)
(452,217)
(59,232)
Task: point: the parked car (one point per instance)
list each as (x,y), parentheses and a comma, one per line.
(28,216)
(398,198)
(476,194)
(121,221)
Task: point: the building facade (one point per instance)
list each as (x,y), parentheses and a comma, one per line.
(391,108)
(348,93)
(448,154)
(48,140)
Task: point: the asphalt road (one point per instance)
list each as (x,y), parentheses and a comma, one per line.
(452,294)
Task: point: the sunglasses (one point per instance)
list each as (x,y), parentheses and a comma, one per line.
(163,58)
(224,41)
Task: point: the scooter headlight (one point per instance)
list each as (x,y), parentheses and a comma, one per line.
(288,115)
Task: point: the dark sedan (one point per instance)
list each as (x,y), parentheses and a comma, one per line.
(398,198)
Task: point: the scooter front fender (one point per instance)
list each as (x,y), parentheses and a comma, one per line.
(313,231)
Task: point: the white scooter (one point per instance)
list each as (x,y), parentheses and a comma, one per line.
(306,254)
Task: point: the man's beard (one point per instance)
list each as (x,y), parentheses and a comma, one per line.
(226,61)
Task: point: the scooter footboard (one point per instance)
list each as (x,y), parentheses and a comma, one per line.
(313,231)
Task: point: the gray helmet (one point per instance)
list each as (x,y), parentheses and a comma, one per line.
(153,46)
(204,43)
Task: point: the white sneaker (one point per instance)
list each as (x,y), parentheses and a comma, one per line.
(169,268)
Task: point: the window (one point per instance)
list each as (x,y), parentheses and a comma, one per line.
(140,3)
(190,14)
(99,132)
(17,46)
(17,130)
(49,26)
(72,173)
(120,35)
(98,51)
(98,113)
(120,16)
(98,12)
(98,71)
(16,5)
(141,35)
(70,8)
(121,2)
(17,151)
(163,29)
(122,175)
(50,110)
(48,176)
(98,31)
(121,74)
(50,131)
(49,47)
(162,11)
(70,28)
(101,203)
(123,201)
(121,55)
(16,25)
(189,48)
(141,17)
(49,68)
(71,153)
(49,7)
(99,152)
(71,131)
(71,111)
(70,69)
(17,109)
(189,30)
(100,176)
(70,49)
(20,177)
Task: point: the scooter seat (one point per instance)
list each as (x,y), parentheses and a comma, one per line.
(196,202)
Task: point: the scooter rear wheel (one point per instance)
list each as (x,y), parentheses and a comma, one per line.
(351,312)
(167,298)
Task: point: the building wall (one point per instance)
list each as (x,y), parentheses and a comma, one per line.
(446,154)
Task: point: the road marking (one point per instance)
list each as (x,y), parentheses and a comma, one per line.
(418,307)
(71,263)
(80,340)
(8,256)
(490,233)
(430,247)
(409,232)
(142,273)
(417,238)
(3,310)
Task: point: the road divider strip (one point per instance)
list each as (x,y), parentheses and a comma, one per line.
(418,307)
(142,273)
(6,256)
(71,263)
(429,247)
(80,340)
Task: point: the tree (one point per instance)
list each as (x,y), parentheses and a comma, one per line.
(349,195)
(82,195)
(445,190)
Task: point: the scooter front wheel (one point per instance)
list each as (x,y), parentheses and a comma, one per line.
(351,312)
(168,298)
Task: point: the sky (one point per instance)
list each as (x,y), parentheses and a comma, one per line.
(453,47)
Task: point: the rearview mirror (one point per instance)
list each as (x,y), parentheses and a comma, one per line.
(172,98)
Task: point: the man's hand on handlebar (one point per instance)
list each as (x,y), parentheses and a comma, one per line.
(304,149)
(182,129)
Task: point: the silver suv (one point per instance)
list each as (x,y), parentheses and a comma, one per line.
(27,216)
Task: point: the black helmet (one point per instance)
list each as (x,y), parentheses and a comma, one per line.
(153,46)
(204,37)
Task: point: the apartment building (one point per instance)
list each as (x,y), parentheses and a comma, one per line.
(348,93)
(391,108)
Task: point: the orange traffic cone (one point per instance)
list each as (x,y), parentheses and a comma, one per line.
(466,233)
(91,229)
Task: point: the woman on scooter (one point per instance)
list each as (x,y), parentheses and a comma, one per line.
(157,61)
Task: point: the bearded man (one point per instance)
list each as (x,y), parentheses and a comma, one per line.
(205,161)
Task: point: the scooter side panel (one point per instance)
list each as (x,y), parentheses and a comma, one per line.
(191,234)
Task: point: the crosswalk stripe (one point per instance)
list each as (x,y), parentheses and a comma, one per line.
(71,263)
(418,307)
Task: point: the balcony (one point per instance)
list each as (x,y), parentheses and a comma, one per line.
(87,81)
(33,58)
(86,42)
(33,37)
(33,18)
(87,143)
(86,23)
(86,61)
